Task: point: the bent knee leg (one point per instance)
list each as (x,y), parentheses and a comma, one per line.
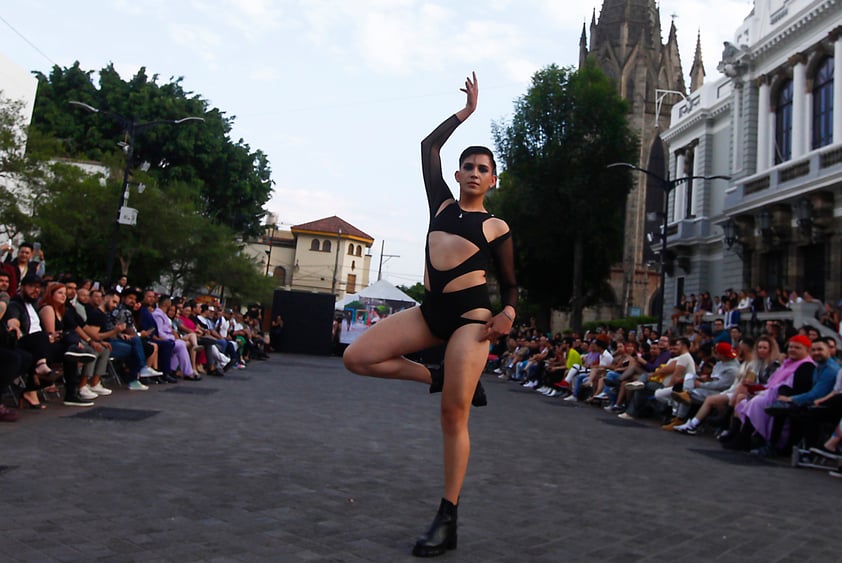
(356,359)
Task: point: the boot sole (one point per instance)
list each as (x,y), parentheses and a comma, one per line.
(433,550)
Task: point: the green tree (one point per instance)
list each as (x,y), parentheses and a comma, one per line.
(415,291)
(565,209)
(230,181)
(22,173)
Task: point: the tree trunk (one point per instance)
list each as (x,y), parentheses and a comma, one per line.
(577,297)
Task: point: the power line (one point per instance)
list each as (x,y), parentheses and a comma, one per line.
(30,43)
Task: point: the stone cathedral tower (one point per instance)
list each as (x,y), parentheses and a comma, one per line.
(626,43)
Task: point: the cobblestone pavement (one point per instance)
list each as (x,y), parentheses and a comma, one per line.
(295,459)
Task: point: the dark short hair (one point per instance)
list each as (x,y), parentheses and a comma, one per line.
(683,340)
(26,245)
(476,149)
(4,274)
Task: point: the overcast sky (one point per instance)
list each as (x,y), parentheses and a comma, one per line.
(338,93)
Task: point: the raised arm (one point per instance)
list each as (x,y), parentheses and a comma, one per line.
(437,190)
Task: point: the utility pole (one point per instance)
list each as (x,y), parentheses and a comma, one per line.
(380,269)
(336,262)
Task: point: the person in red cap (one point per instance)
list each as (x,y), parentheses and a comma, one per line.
(797,367)
(721,378)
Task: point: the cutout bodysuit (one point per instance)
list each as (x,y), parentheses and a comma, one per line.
(444,310)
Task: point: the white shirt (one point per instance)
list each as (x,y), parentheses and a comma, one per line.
(222,327)
(686,361)
(34,319)
(606,359)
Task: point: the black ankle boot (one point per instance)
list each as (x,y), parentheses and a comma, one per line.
(742,439)
(437,384)
(479,399)
(442,533)
(437,376)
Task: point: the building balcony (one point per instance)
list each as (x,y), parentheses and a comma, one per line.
(819,168)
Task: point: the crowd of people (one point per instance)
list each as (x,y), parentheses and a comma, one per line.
(737,307)
(67,335)
(763,394)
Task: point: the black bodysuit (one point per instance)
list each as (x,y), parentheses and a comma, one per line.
(443,311)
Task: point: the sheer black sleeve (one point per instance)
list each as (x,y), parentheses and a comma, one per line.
(437,190)
(503,251)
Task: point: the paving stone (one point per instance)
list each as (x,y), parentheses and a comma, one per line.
(294,459)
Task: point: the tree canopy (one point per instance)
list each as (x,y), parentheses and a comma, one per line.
(202,193)
(565,209)
(230,181)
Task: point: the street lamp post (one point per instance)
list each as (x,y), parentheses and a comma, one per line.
(126,215)
(269,251)
(667,185)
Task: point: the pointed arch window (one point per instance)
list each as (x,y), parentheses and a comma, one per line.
(823,104)
(783,123)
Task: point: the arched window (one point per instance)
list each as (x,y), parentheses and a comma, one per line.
(326,246)
(314,244)
(359,250)
(783,123)
(280,275)
(350,250)
(823,104)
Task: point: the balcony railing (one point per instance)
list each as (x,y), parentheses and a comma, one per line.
(814,167)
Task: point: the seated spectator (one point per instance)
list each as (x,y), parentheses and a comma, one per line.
(591,364)
(641,365)
(214,346)
(11,359)
(641,391)
(823,380)
(716,391)
(732,315)
(703,307)
(90,384)
(607,384)
(26,262)
(22,318)
(185,327)
(148,333)
(179,360)
(796,372)
(829,409)
(66,344)
(534,368)
(679,310)
(684,376)
(109,325)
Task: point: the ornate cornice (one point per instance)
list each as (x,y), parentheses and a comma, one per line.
(781,35)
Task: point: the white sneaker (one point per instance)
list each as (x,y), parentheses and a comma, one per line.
(602,395)
(86,393)
(498,371)
(625,416)
(572,399)
(137,386)
(99,389)
(635,385)
(554,393)
(542,389)
(147,371)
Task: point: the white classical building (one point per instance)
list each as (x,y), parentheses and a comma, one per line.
(18,84)
(772,123)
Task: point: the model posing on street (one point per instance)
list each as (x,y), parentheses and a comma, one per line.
(463,240)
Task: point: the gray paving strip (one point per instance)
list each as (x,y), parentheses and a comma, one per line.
(303,461)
